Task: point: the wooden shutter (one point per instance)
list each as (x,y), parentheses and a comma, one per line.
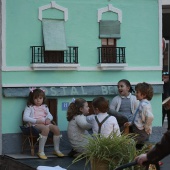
(52,105)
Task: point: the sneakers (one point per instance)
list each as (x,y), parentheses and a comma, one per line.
(42,155)
(58,153)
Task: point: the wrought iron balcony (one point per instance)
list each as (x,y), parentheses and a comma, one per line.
(111,55)
(39,55)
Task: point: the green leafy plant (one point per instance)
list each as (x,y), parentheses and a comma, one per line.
(110,152)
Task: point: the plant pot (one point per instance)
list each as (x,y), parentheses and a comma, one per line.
(97,164)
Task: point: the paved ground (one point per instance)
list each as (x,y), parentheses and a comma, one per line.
(166,160)
(66,162)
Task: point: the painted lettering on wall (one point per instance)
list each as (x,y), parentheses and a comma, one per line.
(70,90)
(80,90)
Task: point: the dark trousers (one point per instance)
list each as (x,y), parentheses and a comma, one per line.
(164,113)
(141,135)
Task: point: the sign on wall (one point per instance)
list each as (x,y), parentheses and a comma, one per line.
(70,91)
(65,105)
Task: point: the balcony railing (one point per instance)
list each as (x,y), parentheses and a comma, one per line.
(39,55)
(111,54)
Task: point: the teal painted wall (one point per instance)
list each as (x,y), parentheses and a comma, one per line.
(139,34)
(78,77)
(14,106)
(12,114)
(139,30)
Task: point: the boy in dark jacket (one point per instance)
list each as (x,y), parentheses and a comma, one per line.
(158,152)
(165,94)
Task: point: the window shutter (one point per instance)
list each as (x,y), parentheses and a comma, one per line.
(109,29)
(52,105)
(54,35)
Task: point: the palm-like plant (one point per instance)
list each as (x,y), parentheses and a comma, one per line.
(110,152)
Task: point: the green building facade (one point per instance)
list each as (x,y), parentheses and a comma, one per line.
(75,48)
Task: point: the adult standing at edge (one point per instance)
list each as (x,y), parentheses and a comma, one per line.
(165,94)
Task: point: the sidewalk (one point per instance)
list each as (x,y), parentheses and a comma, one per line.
(66,162)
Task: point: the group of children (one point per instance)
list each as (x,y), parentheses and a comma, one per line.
(135,111)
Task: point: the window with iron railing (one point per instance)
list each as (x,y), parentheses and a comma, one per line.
(39,55)
(111,55)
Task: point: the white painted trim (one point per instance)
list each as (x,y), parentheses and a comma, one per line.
(15,68)
(3,60)
(104,66)
(107,9)
(140,68)
(160,33)
(3,9)
(165,2)
(3,54)
(52,5)
(55,66)
(72,84)
(154,68)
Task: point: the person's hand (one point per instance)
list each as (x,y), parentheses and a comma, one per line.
(47,121)
(39,121)
(141,159)
(127,124)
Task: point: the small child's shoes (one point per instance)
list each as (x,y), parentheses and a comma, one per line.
(42,155)
(58,153)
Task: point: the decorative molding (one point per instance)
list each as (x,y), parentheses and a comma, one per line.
(106,66)
(140,68)
(52,5)
(73,84)
(108,9)
(55,66)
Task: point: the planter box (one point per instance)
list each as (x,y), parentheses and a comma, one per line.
(97,164)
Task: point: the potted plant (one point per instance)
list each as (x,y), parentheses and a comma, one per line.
(108,153)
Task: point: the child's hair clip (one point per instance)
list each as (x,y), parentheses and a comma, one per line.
(32,89)
(42,90)
(73,100)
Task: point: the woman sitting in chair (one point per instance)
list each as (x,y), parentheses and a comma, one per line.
(38,115)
